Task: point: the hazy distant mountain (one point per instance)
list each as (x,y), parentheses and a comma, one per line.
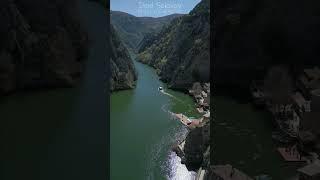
(132,29)
(180,52)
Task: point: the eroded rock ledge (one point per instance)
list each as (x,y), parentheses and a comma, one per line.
(194,150)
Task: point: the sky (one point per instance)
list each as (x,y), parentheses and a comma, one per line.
(153,8)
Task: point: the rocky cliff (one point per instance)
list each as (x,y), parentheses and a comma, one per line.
(251,36)
(132,29)
(41,44)
(180,52)
(195,153)
(196,145)
(123,75)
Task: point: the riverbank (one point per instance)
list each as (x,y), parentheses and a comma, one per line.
(194,150)
(290,104)
(142,132)
(293,101)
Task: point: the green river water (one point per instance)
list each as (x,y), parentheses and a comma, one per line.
(40,129)
(142,132)
(60,134)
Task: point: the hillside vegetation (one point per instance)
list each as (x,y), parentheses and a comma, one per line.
(123,75)
(180,52)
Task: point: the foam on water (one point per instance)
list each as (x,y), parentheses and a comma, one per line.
(179,171)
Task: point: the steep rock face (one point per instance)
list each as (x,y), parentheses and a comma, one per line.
(181,52)
(132,29)
(123,75)
(251,36)
(39,51)
(196,144)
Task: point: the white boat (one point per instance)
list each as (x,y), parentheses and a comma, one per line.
(160,88)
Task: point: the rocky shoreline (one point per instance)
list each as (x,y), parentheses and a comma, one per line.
(194,150)
(179,52)
(293,101)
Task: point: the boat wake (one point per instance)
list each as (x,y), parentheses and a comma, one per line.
(170,95)
(164,107)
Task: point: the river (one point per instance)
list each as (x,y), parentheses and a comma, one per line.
(142,132)
(60,134)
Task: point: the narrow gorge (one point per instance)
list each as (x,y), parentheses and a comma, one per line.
(176,47)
